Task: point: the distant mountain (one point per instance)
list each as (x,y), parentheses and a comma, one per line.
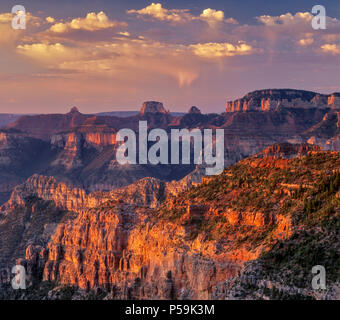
(79,149)
(270,99)
(120,114)
(125,114)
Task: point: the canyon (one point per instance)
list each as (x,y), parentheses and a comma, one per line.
(271,99)
(80,149)
(195,244)
(85,226)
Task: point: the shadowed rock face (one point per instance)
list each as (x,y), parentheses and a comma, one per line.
(20,156)
(271,99)
(194,110)
(7,118)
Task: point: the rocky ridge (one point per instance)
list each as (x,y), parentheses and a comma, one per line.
(271,99)
(80,149)
(196,240)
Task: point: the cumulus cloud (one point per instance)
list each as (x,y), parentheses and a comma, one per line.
(50,19)
(212,14)
(213,50)
(286,19)
(213,17)
(156,11)
(331,48)
(92,22)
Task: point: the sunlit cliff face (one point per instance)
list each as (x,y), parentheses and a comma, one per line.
(167,54)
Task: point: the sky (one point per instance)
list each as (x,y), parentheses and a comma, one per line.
(113,55)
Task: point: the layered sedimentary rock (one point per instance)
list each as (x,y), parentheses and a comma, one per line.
(75,144)
(146,192)
(98,136)
(43,126)
(196,240)
(30,224)
(326,133)
(80,149)
(288,150)
(271,99)
(152,107)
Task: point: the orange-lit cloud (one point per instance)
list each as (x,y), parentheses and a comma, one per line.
(125,58)
(220,50)
(45,53)
(9,36)
(156,11)
(214,17)
(285,19)
(92,22)
(50,19)
(331,48)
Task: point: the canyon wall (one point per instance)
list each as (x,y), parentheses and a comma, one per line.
(187,247)
(271,99)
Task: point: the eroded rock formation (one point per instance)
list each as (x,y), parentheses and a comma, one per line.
(271,99)
(196,240)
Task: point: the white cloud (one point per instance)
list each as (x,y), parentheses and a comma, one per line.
(50,19)
(92,22)
(285,19)
(214,17)
(212,14)
(156,11)
(213,50)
